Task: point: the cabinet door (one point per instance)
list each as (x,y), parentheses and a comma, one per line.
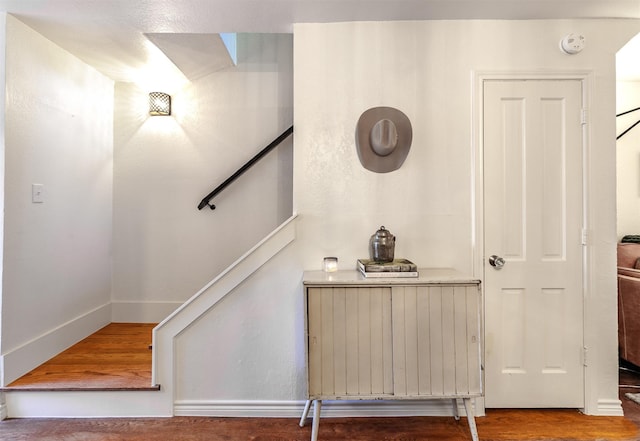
(436,341)
(349,342)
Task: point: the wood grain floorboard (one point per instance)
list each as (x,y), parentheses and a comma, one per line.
(113,358)
(498,425)
(118,356)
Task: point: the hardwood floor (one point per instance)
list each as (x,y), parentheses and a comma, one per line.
(498,425)
(118,357)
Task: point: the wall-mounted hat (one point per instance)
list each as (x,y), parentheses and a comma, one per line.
(383,139)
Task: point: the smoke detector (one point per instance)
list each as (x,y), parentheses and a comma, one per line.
(572,44)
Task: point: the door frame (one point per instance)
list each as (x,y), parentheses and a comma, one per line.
(592,404)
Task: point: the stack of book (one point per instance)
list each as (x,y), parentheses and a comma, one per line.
(396,268)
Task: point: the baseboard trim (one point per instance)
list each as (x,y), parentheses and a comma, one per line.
(3,408)
(330,409)
(32,354)
(141,312)
(86,404)
(610,407)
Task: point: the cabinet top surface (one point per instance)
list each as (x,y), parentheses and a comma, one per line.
(354,277)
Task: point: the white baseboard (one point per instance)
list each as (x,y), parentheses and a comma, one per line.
(610,408)
(3,408)
(32,354)
(330,409)
(141,312)
(86,404)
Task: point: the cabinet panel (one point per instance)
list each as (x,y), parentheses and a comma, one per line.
(393,338)
(436,347)
(350,344)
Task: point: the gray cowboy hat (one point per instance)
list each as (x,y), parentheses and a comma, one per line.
(383,139)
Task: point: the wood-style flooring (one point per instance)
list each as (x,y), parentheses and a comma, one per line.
(117,357)
(121,365)
(498,425)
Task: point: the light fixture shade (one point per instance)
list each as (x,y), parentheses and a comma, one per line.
(159,104)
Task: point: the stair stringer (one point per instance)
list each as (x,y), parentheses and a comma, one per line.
(165,334)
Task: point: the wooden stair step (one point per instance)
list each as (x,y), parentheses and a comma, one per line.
(116,357)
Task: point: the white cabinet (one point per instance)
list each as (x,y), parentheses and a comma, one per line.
(350,342)
(396,338)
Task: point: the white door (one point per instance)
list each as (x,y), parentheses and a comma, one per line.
(533,220)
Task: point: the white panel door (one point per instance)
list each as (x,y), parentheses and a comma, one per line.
(533,220)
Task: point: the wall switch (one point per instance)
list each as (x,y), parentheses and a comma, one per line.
(37,193)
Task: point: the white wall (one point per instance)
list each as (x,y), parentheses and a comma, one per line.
(426,70)
(3,45)
(57,254)
(628,158)
(423,68)
(249,347)
(165,250)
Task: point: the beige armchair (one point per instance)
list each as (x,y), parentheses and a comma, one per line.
(629,302)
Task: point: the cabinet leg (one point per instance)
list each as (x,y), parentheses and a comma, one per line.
(317,404)
(455,409)
(305,413)
(471,419)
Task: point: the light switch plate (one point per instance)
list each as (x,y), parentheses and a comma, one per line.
(37,193)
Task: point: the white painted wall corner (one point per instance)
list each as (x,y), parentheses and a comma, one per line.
(123,311)
(28,356)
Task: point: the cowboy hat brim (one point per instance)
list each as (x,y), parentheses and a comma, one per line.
(383,139)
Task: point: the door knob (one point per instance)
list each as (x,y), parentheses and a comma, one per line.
(496,261)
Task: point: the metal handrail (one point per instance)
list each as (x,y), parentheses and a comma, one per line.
(205,201)
(635,124)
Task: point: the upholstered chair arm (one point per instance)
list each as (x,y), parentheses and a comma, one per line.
(629,272)
(629,314)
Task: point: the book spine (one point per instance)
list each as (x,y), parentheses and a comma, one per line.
(388,274)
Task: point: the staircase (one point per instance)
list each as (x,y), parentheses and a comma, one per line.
(152,402)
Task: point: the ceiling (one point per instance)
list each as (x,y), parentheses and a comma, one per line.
(110,34)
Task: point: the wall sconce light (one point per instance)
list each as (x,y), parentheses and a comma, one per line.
(159,104)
